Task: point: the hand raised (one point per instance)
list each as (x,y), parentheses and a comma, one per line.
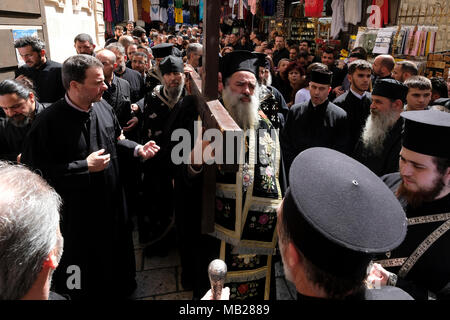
(97,161)
(148,150)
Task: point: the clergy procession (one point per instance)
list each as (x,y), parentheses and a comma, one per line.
(339,172)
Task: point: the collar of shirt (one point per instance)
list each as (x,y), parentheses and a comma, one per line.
(359,96)
(113,84)
(325,103)
(70,103)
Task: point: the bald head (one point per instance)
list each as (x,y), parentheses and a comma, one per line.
(383,65)
(108,59)
(106,54)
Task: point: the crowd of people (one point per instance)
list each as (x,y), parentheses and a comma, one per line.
(346,163)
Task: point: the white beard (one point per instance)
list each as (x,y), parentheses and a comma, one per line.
(244,113)
(375,131)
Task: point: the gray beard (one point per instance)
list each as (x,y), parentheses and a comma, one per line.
(20,123)
(245,114)
(376,129)
(174,93)
(267,82)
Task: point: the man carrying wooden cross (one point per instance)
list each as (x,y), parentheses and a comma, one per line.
(244,233)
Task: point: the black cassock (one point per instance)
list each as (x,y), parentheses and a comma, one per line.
(357,112)
(96,229)
(12,137)
(431,272)
(47,80)
(387,161)
(324,125)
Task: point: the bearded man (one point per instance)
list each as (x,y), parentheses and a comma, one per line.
(160,51)
(421,264)
(161,107)
(21,107)
(272,102)
(243,223)
(380,140)
(133,77)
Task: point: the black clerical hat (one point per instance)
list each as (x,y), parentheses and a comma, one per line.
(171,64)
(262,60)
(390,88)
(427,132)
(162,50)
(339,213)
(321,76)
(238,60)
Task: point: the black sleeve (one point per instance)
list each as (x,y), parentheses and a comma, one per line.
(417,292)
(287,142)
(342,138)
(37,154)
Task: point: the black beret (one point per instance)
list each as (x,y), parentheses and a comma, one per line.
(162,50)
(390,88)
(427,132)
(339,213)
(238,60)
(321,76)
(171,64)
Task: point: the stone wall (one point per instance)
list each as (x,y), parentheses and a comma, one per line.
(67,18)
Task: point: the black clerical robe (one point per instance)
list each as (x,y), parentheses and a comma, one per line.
(94,224)
(357,112)
(430,275)
(325,125)
(157,125)
(136,82)
(47,80)
(273,105)
(118,96)
(12,137)
(387,161)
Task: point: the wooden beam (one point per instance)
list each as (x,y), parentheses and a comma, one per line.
(210,49)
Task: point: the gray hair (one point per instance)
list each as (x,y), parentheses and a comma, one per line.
(193,48)
(82,37)
(115,46)
(126,40)
(74,68)
(29,220)
(36,44)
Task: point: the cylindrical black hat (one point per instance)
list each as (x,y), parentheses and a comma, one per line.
(162,50)
(321,77)
(238,60)
(171,64)
(427,132)
(390,88)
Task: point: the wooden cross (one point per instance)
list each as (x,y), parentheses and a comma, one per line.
(211,111)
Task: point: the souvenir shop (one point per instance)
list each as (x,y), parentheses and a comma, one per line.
(406,29)
(158,14)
